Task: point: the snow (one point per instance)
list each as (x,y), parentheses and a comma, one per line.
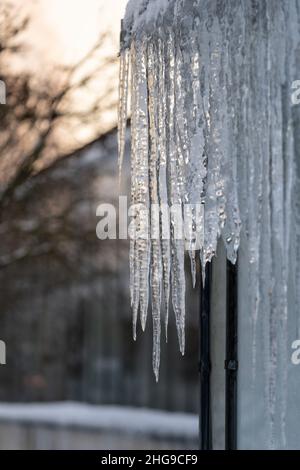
(213,124)
(143,12)
(116,418)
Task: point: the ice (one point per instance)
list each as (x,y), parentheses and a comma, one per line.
(162,179)
(214,128)
(156,261)
(123,98)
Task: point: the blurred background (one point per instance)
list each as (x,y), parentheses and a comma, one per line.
(73,377)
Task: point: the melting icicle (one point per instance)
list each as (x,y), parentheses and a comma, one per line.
(123,99)
(162,179)
(156,268)
(142,181)
(175,181)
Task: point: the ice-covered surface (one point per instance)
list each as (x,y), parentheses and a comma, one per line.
(213,123)
(117,418)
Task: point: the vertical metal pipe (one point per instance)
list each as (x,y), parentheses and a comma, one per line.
(231,362)
(205,432)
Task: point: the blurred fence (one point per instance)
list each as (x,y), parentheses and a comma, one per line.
(65,309)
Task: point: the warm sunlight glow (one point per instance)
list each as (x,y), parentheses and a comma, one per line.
(62,32)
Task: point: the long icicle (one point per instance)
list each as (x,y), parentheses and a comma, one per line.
(123,100)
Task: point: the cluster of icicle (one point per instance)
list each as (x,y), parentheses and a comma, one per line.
(181,153)
(212,123)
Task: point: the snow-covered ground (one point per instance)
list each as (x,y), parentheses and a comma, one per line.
(125,419)
(58,425)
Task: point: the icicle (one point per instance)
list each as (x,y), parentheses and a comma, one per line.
(123,99)
(142,130)
(175,181)
(162,178)
(156,268)
(134,268)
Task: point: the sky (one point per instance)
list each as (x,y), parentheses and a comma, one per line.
(62,32)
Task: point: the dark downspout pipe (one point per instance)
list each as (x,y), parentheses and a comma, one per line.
(231,362)
(205,432)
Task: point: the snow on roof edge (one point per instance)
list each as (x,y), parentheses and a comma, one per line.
(139,13)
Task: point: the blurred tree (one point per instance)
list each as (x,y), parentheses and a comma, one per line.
(41,115)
